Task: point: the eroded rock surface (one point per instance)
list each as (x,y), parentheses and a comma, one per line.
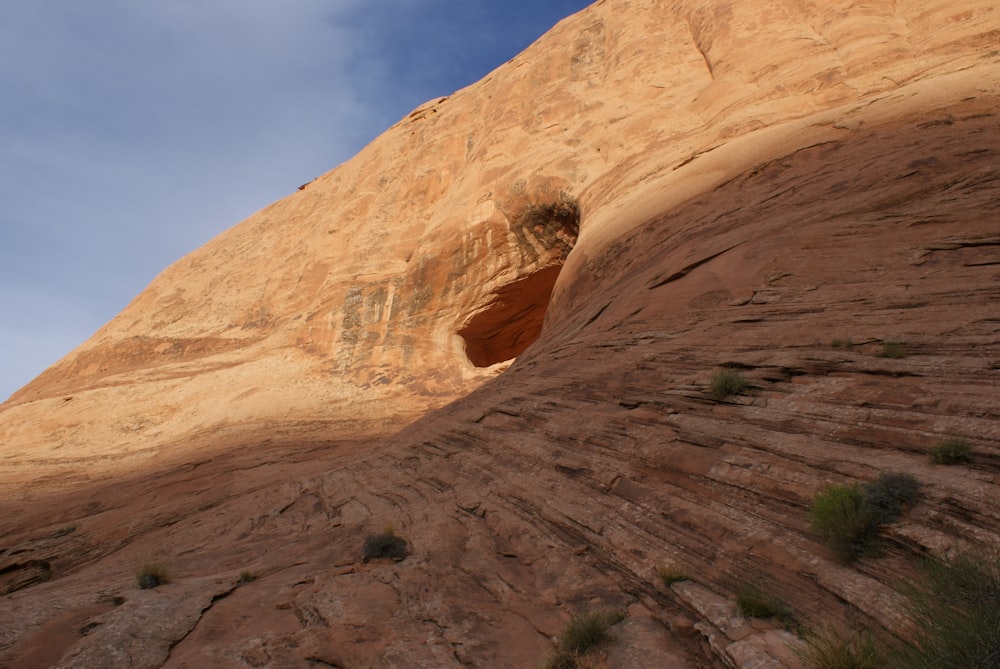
(755,181)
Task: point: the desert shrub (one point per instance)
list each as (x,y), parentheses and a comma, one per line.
(671,573)
(63,531)
(889,495)
(893,349)
(384,545)
(727,381)
(563,213)
(841,517)
(848,517)
(151,575)
(845,344)
(828,649)
(247,576)
(949,451)
(754,602)
(586,630)
(560,659)
(956,609)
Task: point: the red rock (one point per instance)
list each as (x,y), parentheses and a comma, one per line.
(754,180)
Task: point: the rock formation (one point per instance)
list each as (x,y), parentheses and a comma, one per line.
(650,192)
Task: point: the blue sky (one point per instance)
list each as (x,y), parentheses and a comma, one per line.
(133,132)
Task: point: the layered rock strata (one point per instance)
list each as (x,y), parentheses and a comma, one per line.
(651,192)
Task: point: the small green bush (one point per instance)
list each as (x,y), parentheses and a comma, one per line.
(753,602)
(151,575)
(671,573)
(247,576)
(956,609)
(951,451)
(586,630)
(727,381)
(385,545)
(893,349)
(841,517)
(848,517)
(828,649)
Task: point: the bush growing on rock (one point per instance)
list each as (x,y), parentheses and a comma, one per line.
(727,381)
(951,451)
(63,531)
(893,348)
(563,213)
(151,575)
(840,517)
(754,602)
(848,517)
(560,659)
(586,630)
(829,649)
(889,495)
(671,573)
(956,610)
(384,545)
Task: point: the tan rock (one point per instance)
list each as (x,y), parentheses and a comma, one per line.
(755,180)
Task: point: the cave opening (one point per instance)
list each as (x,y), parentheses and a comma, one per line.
(511,321)
(513,315)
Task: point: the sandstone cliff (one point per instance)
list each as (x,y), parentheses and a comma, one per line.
(648,193)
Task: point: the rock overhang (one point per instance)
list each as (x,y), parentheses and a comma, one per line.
(510,317)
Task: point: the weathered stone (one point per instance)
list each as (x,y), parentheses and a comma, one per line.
(755,180)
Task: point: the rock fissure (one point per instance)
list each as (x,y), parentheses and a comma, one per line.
(174,643)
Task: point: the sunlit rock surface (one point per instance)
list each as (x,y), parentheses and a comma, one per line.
(754,181)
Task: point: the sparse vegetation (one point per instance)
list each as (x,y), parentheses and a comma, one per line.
(845,344)
(152,575)
(247,576)
(888,496)
(848,517)
(563,213)
(828,649)
(63,531)
(950,451)
(754,602)
(586,630)
(385,545)
(727,381)
(560,659)
(956,608)
(893,348)
(840,517)
(671,573)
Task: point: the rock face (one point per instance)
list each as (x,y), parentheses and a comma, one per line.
(650,192)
